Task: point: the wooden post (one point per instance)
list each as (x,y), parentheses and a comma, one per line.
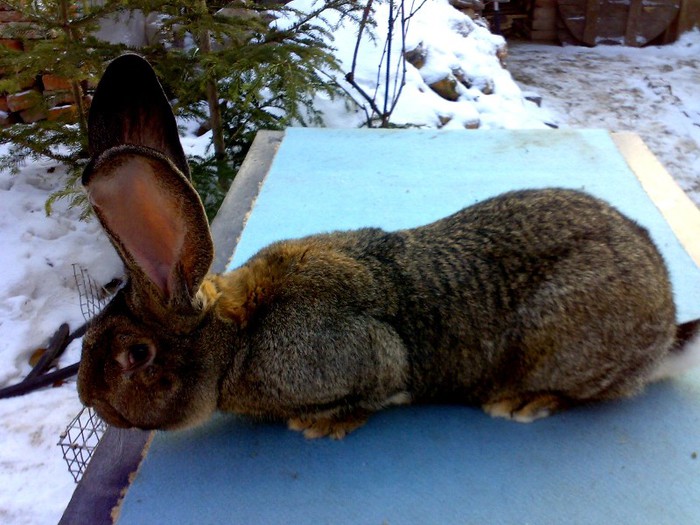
(633,17)
(591,29)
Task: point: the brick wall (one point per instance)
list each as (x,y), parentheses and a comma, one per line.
(44,97)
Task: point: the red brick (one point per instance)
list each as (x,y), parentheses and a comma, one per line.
(66,113)
(55,83)
(11,43)
(58,98)
(33,114)
(3,104)
(11,16)
(24,100)
(27,30)
(29,83)
(39,34)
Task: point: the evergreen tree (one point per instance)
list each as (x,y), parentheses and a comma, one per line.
(56,39)
(239,67)
(257,66)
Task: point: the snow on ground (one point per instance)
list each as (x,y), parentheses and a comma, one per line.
(652,91)
(453,47)
(37,294)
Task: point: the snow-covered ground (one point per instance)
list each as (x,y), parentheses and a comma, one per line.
(652,91)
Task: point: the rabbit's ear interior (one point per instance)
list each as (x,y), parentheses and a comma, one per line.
(155,219)
(130,107)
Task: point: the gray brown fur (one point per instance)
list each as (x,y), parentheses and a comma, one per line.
(524,304)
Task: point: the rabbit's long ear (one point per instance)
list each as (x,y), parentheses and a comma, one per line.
(137,187)
(154,218)
(130,107)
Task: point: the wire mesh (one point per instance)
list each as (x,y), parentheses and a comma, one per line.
(82,435)
(79,440)
(93,297)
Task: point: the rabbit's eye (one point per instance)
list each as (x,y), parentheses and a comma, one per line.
(139,354)
(136,356)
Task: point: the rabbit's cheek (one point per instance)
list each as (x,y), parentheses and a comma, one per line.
(110,415)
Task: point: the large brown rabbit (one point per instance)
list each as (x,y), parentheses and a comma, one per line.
(523,304)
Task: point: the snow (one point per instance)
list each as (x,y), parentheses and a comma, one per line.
(453,45)
(652,91)
(34,247)
(37,294)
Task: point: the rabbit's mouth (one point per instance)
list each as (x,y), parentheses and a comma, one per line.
(110,415)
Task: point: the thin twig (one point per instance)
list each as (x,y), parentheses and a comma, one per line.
(361,28)
(387,77)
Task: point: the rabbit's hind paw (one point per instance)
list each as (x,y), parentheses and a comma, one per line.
(524,409)
(335,427)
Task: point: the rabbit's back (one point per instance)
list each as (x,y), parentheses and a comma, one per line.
(535,290)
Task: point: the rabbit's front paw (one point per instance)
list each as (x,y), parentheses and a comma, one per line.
(335,427)
(524,409)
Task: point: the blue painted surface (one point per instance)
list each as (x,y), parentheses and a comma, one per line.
(627,462)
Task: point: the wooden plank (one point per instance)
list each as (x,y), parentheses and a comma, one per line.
(633,31)
(590,30)
(689,16)
(572,19)
(678,210)
(545,25)
(635,22)
(545,15)
(230,220)
(544,12)
(120,452)
(538,35)
(115,462)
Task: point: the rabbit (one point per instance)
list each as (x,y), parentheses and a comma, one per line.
(523,304)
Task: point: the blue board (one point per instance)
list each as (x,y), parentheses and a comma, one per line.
(630,462)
